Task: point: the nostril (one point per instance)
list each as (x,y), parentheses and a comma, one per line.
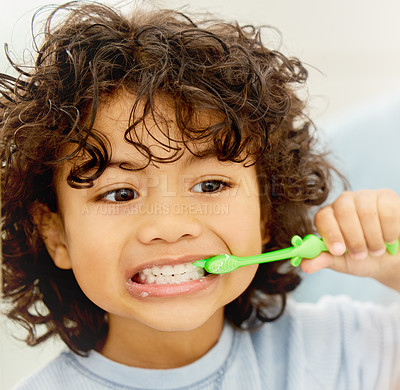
(156,239)
(168,228)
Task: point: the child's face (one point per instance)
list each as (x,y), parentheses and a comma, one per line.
(168,214)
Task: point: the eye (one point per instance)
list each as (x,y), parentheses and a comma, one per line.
(120,195)
(210,186)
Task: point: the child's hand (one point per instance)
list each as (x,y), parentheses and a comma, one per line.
(361,222)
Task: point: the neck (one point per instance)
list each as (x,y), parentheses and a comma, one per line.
(151,348)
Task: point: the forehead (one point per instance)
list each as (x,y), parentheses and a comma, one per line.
(131,134)
(153,133)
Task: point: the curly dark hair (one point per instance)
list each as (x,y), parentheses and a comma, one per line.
(208,65)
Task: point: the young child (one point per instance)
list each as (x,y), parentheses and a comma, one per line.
(137,145)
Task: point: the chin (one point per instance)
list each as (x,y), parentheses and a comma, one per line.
(182,319)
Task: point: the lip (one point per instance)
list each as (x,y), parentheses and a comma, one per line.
(138,290)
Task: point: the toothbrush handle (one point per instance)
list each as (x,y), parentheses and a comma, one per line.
(311,246)
(280,254)
(393,248)
(308,247)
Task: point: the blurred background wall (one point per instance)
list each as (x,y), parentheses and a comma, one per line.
(352,52)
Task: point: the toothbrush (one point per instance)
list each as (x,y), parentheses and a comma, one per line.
(303,248)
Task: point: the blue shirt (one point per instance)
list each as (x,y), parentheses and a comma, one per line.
(333,345)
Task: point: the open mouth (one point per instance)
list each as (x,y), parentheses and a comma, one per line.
(169,274)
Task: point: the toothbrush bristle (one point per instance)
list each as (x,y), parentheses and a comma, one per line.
(220,264)
(200,263)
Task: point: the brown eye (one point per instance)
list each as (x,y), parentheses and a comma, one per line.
(209,186)
(121,195)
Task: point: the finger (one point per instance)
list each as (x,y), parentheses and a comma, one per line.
(345,212)
(324,260)
(369,267)
(329,230)
(367,210)
(343,264)
(388,205)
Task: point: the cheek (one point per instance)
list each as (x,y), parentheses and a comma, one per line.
(241,228)
(237,282)
(245,275)
(93,251)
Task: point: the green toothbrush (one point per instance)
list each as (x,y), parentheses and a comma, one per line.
(303,248)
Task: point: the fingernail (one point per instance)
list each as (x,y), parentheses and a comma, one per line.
(359,255)
(379,252)
(338,248)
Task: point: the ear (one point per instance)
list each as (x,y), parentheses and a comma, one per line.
(52,232)
(266,237)
(265,231)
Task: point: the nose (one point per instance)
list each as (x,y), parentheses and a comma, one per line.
(169,227)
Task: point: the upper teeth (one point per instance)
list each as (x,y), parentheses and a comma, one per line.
(171,274)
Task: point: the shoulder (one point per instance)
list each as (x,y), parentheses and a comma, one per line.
(336,323)
(56,374)
(340,314)
(335,342)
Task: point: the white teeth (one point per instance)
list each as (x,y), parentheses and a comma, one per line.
(156,271)
(168,270)
(150,279)
(170,274)
(146,272)
(180,268)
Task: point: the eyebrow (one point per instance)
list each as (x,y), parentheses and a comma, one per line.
(124,164)
(203,155)
(185,161)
